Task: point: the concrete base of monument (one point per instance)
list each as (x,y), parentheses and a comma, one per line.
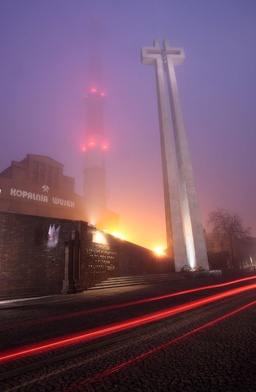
(204,274)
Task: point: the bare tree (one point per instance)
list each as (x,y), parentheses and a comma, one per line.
(231,225)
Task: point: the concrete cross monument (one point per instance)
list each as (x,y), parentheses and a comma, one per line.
(184,231)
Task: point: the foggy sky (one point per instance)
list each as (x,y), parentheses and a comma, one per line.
(44,79)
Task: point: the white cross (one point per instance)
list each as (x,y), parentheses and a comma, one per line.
(151,54)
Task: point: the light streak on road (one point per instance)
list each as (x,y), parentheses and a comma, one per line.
(119,306)
(116,327)
(117,368)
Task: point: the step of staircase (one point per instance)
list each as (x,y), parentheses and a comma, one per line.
(122,281)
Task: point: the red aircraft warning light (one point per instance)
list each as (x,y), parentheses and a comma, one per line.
(91,144)
(104,146)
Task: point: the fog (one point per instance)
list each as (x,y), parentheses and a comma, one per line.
(44,78)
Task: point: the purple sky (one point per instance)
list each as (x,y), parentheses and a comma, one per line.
(43,81)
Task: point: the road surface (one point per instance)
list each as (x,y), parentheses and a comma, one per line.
(146,338)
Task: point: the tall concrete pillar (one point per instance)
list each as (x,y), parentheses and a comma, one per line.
(174,228)
(183,222)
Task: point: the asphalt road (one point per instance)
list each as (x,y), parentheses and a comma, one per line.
(189,346)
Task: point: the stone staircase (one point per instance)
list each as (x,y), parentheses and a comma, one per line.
(122,281)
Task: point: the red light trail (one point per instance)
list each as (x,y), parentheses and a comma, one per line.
(123,305)
(117,368)
(116,327)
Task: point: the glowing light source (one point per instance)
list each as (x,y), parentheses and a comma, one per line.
(104,146)
(99,238)
(118,235)
(93,90)
(159,250)
(102,94)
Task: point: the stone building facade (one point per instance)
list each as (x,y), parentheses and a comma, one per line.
(220,254)
(37,186)
(45,255)
(48,245)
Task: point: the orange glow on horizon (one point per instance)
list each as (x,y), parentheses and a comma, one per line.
(118,235)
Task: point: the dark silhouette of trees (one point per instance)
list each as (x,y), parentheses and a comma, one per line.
(229,224)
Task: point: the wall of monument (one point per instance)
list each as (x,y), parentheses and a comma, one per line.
(68,260)
(28,265)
